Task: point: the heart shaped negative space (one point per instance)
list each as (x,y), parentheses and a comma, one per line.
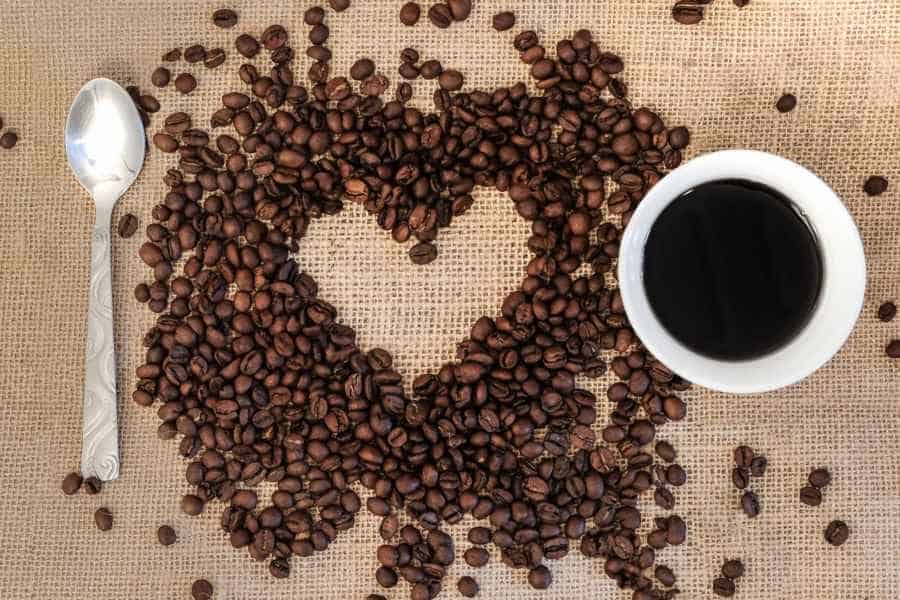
(262,382)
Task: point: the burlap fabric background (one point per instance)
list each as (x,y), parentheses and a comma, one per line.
(721,78)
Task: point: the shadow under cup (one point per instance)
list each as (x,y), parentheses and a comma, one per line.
(812,333)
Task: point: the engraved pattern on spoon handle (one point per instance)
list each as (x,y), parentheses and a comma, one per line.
(100,433)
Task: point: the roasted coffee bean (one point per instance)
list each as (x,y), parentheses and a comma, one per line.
(724,587)
(887,311)
(195,53)
(819,478)
(540,577)
(665,575)
(8,140)
(810,496)
(786,103)
(750,504)
(214,58)
(741,3)
(386,577)
(166,535)
(172,55)
(740,477)
(837,533)
(665,451)
(467,586)
(128,224)
(460,9)
(743,456)
(732,569)
(409,14)
(440,16)
(687,12)
(185,83)
(92,486)
(246,45)
(758,466)
(161,77)
(224,18)
(362,68)
(451,80)
(504,20)
(423,253)
(339,5)
(201,589)
(431,69)
(476,557)
(103,519)
(191,505)
(893,349)
(875,185)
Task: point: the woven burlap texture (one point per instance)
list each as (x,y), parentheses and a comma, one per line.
(721,78)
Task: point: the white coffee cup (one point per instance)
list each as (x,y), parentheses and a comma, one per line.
(843,273)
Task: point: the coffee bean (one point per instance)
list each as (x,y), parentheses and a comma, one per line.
(128,224)
(92,486)
(723,587)
(408,71)
(451,80)
(246,45)
(687,12)
(431,69)
(423,253)
(476,557)
(741,3)
(887,311)
(201,590)
(166,535)
(665,575)
(837,533)
(214,58)
(467,586)
(758,466)
(786,103)
(740,477)
(460,9)
(810,496)
(362,68)
(386,577)
(409,14)
(319,34)
(875,185)
(191,505)
(893,349)
(185,83)
(732,569)
(504,20)
(440,16)
(224,18)
(8,140)
(161,77)
(676,475)
(172,55)
(750,504)
(743,456)
(819,478)
(540,577)
(103,519)
(71,483)
(339,5)
(195,53)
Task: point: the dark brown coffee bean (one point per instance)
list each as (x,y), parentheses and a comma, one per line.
(743,456)
(314,15)
(191,505)
(201,590)
(8,140)
(451,80)
(166,535)
(103,519)
(318,35)
(837,533)
(460,9)
(540,577)
(741,3)
(665,575)
(687,12)
(128,224)
(165,142)
(750,504)
(819,478)
(810,496)
(887,311)
(246,45)
(214,58)
(740,477)
(732,569)
(92,486)
(172,55)
(467,586)
(195,53)
(161,77)
(386,577)
(423,253)
(362,68)
(665,451)
(893,349)
(185,83)
(339,5)
(71,483)
(440,16)
(431,69)
(409,14)
(786,103)
(476,557)
(724,587)
(224,18)
(758,466)
(875,185)
(504,20)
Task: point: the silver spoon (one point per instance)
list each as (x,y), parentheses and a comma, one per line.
(105,147)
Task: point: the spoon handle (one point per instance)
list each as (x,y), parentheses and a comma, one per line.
(100,433)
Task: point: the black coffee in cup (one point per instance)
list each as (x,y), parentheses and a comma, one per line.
(731,270)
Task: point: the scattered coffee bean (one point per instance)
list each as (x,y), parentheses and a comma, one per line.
(423,253)
(688,12)
(460,9)
(8,140)
(451,80)
(92,486)
(467,586)
(214,58)
(819,478)
(71,483)
(665,575)
(362,69)
(128,224)
(166,535)
(540,577)
(724,587)
(887,311)
(504,20)
(201,590)
(740,477)
(440,16)
(185,83)
(172,55)
(246,45)
(741,3)
(195,53)
(743,456)
(875,185)
(893,349)
(732,569)
(225,18)
(810,496)
(161,77)
(339,5)
(837,533)
(476,557)
(786,103)
(750,504)
(103,519)
(758,466)
(409,14)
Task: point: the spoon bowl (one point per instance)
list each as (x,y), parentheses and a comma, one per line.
(105,144)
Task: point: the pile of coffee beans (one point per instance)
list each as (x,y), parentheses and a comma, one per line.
(731,570)
(748,464)
(259,380)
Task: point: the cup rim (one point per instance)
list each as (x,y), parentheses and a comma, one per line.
(840,299)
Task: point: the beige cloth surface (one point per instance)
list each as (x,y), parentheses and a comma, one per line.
(721,78)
